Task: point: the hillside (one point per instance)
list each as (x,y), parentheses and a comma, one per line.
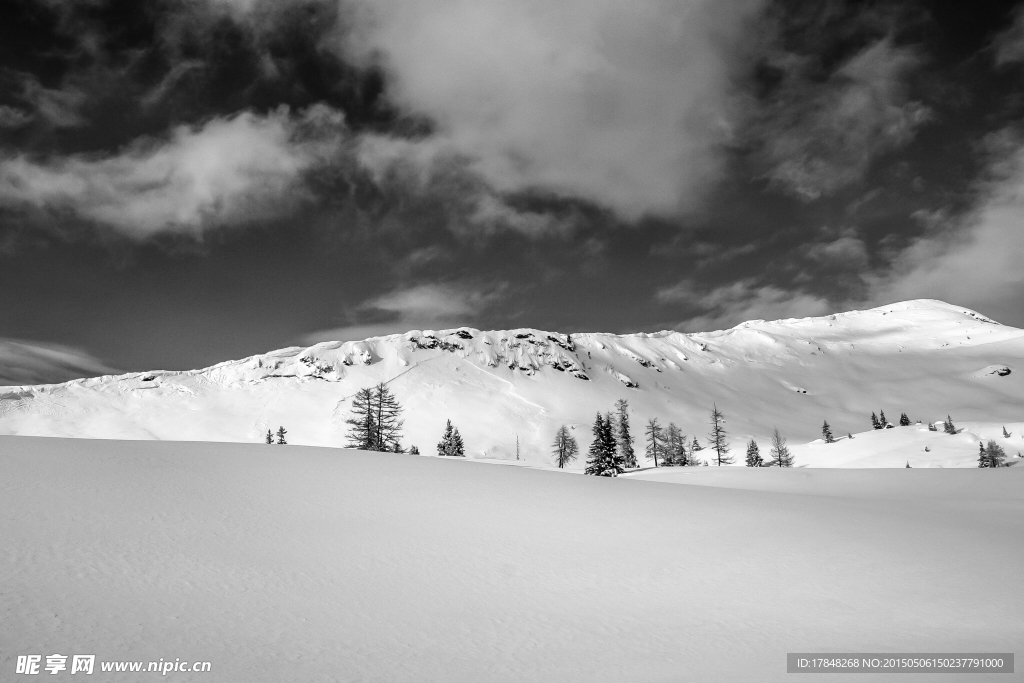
(924,357)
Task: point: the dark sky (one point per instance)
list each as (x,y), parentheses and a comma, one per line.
(188,181)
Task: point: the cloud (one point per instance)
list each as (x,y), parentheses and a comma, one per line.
(427,306)
(57,106)
(24,362)
(730,305)
(846,251)
(819,137)
(626,104)
(973,260)
(1009,45)
(12,117)
(229,170)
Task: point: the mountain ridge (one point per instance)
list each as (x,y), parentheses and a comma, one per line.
(925,357)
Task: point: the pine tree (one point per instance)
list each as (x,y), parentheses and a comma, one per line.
(781,457)
(717,437)
(674,447)
(387,419)
(414,450)
(623,435)
(983,460)
(908,465)
(604,460)
(826,433)
(459,450)
(904,420)
(849,435)
(996,454)
(948,426)
(695,446)
(376,423)
(932,427)
(875,424)
(281,431)
(654,440)
(565,447)
(362,433)
(451,445)
(754,455)
(882,420)
(1006,434)
(270,436)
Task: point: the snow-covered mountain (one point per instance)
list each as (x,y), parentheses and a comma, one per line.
(927,358)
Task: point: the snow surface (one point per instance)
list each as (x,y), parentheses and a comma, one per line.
(928,358)
(313,564)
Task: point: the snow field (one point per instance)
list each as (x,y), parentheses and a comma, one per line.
(311,564)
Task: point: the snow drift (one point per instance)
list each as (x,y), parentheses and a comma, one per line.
(314,564)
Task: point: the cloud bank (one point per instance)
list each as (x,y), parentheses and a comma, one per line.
(242,168)
(975,260)
(623,103)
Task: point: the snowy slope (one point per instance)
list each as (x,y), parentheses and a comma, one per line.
(924,357)
(310,564)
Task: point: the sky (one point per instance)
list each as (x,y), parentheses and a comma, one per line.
(189,181)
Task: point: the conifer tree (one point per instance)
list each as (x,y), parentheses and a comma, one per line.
(654,440)
(948,425)
(983,460)
(904,420)
(565,447)
(623,434)
(995,453)
(754,455)
(695,445)
(414,450)
(849,435)
(281,431)
(882,420)
(932,427)
(375,424)
(826,433)
(717,437)
(875,424)
(908,465)
(270,437)
(362,433)
(781,457)
(387,419)
(1006,434)
(604,460)
(451,443)
(674,447)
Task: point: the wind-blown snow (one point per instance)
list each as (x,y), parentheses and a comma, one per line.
(928,358)
(309,564)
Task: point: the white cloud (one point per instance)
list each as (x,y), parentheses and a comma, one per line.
(622,102)
(228,170)
(428,306)
(33,363)
(728,306)
(976,261)
(847,251)
(1009,45)
(821,137)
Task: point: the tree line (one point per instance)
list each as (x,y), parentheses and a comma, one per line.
(611,450)
(376,425)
